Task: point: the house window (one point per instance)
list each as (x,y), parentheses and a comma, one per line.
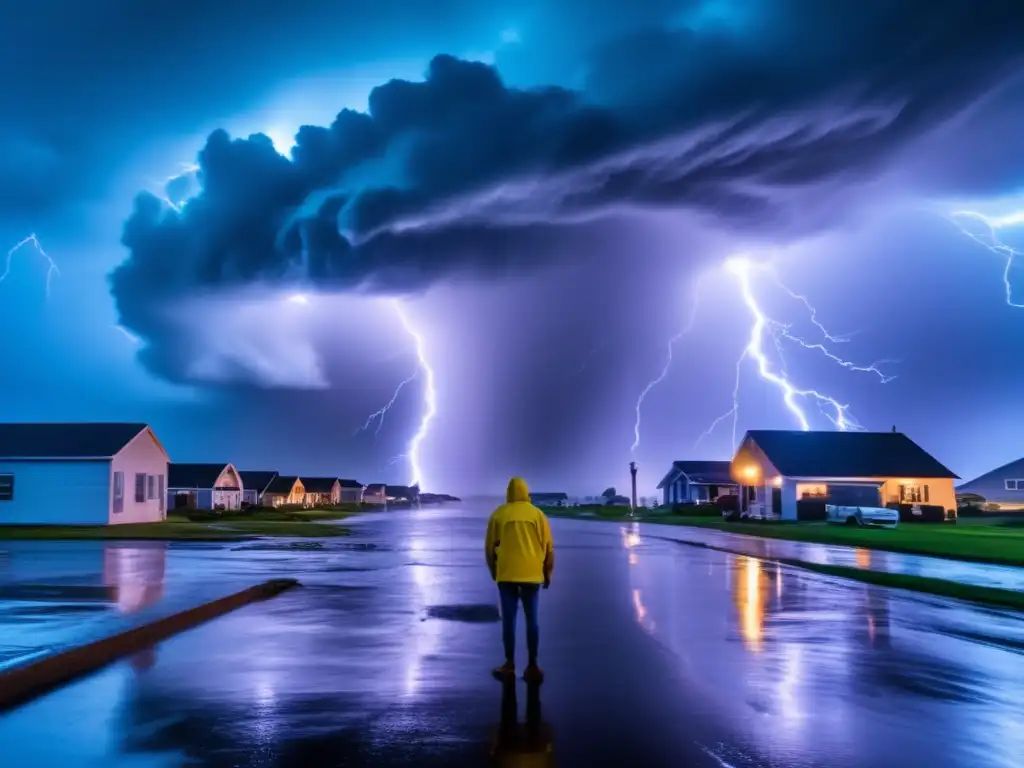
(6,487)
(811,491)
(913,493)
(1014,485)
(161,494)
(150,487)
(118,493)
(140,487)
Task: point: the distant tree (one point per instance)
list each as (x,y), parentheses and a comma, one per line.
(609,493)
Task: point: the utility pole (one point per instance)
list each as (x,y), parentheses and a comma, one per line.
(632,472)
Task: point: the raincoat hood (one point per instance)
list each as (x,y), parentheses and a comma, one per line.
(517,490)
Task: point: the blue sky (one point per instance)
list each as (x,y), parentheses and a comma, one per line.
(546,203)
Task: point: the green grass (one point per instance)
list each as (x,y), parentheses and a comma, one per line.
(1005,598)
(972,539)
(230,527)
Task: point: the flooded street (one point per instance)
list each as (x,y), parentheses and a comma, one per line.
(656,653)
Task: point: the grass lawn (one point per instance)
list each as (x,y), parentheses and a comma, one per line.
(230,527)
(997,541)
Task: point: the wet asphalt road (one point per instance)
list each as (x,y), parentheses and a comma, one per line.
(657,653)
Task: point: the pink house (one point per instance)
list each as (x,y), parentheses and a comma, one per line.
(81,474)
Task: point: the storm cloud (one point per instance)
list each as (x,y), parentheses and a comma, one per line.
(746,121)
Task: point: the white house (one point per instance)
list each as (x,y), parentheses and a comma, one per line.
(792,475)
(81,474)
(204,486)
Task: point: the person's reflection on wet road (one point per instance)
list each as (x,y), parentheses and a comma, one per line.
(522,744)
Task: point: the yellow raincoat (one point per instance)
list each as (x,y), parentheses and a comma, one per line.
(518,546)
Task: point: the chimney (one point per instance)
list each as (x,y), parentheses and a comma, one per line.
(894,429)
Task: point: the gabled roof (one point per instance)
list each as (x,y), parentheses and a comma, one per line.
(194,475)
(255,479)
(80,440)
(1009,470)
(402,491)
(281,484)
(376,488)
(709,472)
(318,484)
(349,483)
(847,454)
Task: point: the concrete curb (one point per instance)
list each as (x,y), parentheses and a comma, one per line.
(22,684)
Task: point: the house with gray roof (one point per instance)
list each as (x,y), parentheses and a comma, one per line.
(696,482)
(1001,489)
(85,473)
(781,471)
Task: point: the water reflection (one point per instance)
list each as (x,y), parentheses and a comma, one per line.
(863,557)
(134,574)
(425,640)
(749,596)
(521,744)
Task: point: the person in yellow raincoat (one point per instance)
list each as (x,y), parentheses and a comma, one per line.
(521,557)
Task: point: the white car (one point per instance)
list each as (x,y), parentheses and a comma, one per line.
(877,517)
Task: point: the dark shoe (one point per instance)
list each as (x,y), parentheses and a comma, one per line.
(533,674)
(505,671)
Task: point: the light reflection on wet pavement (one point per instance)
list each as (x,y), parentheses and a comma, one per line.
(978,574)
(656,654)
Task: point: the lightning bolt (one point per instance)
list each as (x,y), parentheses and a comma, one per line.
(429,395)
(429,392)
(381,412)
(670,346)
(33,241)
(187,170)
(792,395)
(988,237)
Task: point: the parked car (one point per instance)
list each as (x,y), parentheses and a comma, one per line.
(873,517)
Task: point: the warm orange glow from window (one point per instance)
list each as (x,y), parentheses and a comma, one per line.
(777,482)
(750,472)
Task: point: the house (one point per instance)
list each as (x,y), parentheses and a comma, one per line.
(351,491)
(254,485)
(321,491)
(81,474)
(204,486)
(792,475)
(1000,489)
(284,490)
(550,499)
(375,493)
(697,482)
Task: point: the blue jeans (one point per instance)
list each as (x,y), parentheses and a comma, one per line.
(511,593)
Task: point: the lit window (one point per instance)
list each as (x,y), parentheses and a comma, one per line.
(913,493)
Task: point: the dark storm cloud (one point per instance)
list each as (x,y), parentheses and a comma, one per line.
(461,173)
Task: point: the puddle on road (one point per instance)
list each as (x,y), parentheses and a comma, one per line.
(470,614)
(295,546)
